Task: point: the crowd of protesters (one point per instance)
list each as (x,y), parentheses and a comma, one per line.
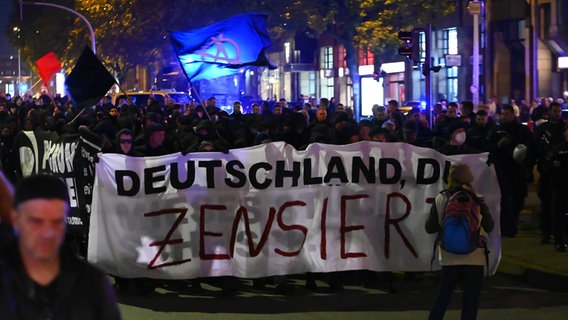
(518,138)
(156,129)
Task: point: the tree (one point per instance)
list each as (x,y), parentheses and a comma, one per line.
(127,32)
(361,24)
(380,34)
(39,31)
(132,32)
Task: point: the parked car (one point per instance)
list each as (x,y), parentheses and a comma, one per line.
(407,106)
(140,98)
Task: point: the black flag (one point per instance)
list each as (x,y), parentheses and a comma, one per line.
(89,81)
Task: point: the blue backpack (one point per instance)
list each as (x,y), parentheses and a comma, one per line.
(460,226)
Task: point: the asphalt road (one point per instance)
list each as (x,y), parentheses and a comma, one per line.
(503,297)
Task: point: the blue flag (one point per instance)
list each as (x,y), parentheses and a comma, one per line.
(222,48)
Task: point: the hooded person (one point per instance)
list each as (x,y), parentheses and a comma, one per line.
(155,143)
(341,133)
(107,131)
(363,129)
(205,130)
(199,113)
(124,143)
(152,118)
(296,133)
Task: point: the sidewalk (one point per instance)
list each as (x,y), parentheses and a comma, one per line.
(524,256)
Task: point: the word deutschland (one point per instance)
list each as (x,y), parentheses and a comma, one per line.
(281,174)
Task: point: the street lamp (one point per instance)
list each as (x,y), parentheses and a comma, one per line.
(91,31)
(475,8)
(17,89)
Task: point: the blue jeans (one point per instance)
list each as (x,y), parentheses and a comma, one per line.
(471,277)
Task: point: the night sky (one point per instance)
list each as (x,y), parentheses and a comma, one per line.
(5,10)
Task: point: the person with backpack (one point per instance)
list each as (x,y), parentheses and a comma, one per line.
(461,219)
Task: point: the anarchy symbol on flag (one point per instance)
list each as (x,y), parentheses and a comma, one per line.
(221,55)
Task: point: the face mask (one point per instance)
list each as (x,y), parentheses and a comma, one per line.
(460,138)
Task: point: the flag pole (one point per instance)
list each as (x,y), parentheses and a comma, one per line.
(77,116)
(50,95)
(200,101)
(207,113)
(125,94)
(30,89)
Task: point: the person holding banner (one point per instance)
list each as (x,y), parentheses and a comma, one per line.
(455,267)
(42,278)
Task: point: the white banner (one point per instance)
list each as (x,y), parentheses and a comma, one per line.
(272,210)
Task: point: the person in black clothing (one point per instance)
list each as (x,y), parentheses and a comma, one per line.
(341,134)
(320,125)
(546,136)
(478,133)
(456,144)
(330,115)
(41,278)
(540,112)
(104,105)
(276,122)
(466,112)
(411,135)
(236,118)
(380,115)
(296,133)
(206,134)
(511,174)
(441,129)
(155,144)
(125,143)
(559,179)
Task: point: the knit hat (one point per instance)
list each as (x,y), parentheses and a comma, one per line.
(154,117)
(155,127)
(461,173)
(365,123)
(455,125)
(207,125)
(341,116)
(41,187)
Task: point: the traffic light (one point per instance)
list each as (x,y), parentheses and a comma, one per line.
(376,76)
(426,69)
(407,48)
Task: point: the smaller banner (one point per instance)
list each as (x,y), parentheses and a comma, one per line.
(68,157)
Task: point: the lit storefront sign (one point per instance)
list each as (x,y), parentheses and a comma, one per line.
(393,67)
(389,67)
(563,63)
